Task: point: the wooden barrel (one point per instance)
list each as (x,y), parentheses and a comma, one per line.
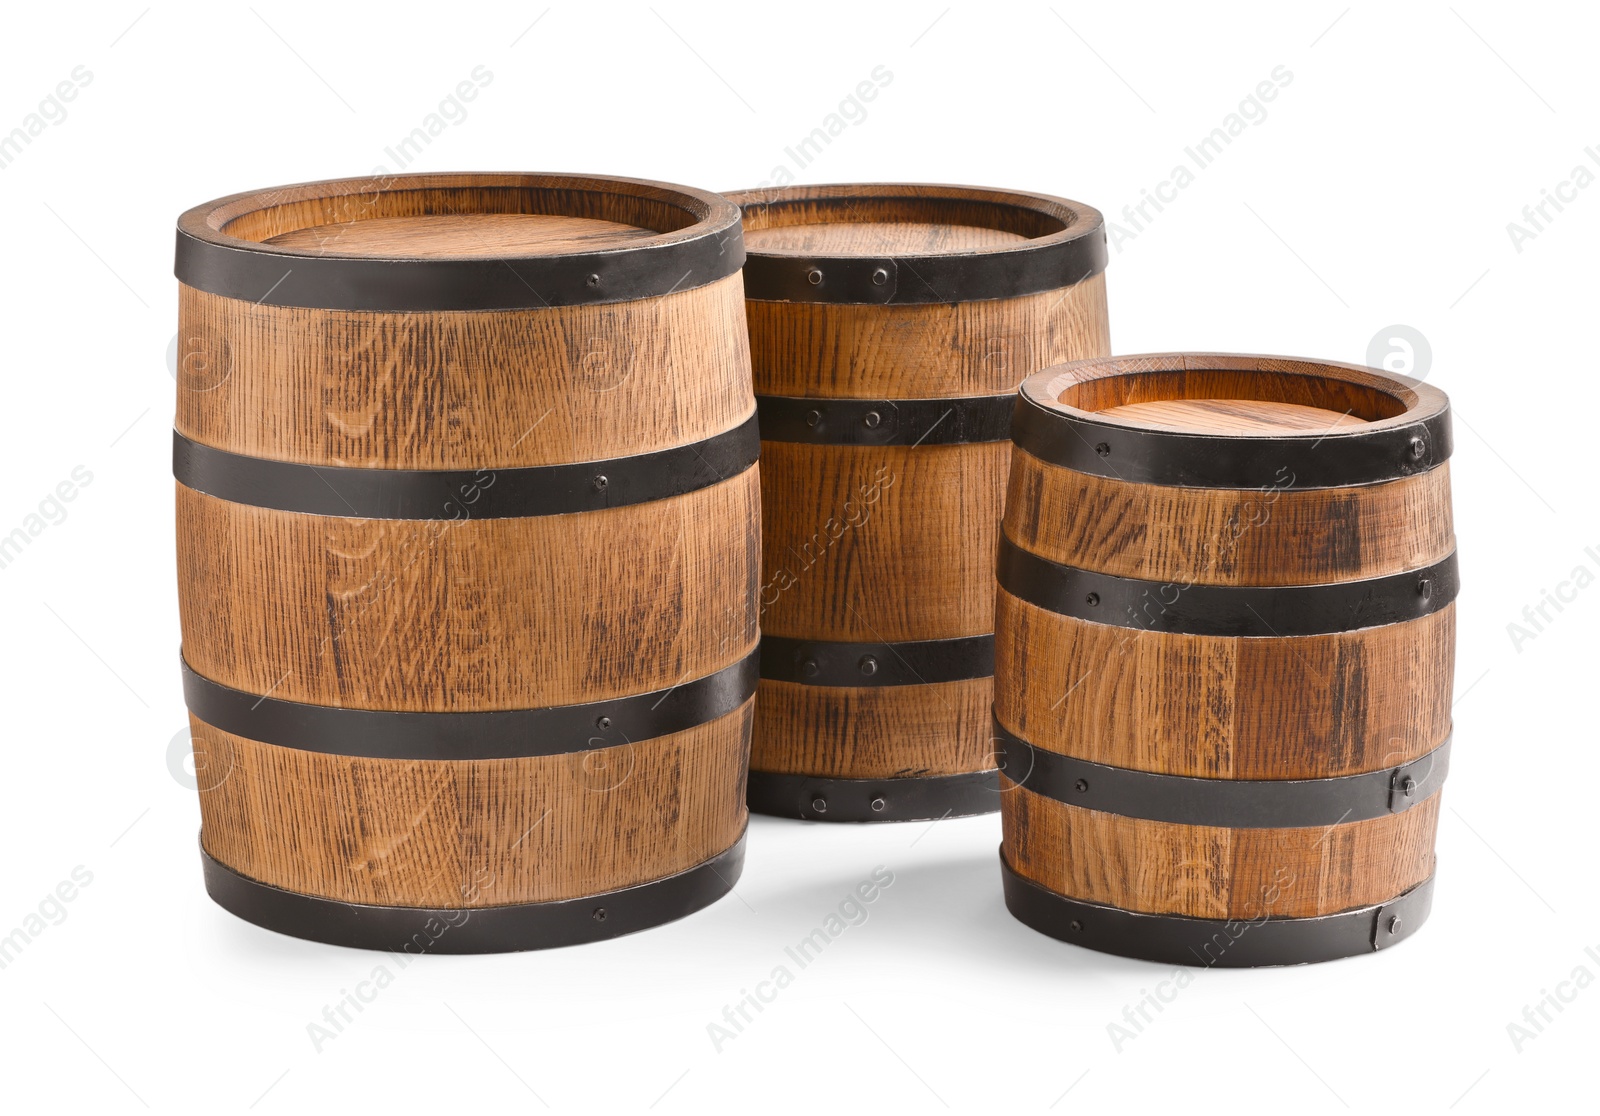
(889,328)
(1225,646)
(468,548)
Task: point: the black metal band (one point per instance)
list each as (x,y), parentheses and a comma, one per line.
(486,735)
(1335,459)
(1225,610)
(885,422)
(1229,803)
(919,798)
(1216,943)
(498,929)
(902,280)
(813,662)
(460,494)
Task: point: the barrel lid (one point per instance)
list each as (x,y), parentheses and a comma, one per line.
(898,243)
(1227,420)
(459,241)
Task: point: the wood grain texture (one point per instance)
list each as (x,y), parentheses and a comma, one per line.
(923,351)
(1207,872)
(874,238)
(462,235)
(1300,707)
(873,732)
(880,543)
(454,834)
(462,389)
(469,614)
(1232,416)
(1222,536)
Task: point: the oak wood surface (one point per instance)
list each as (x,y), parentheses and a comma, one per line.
(1232,416)
(469,614)
(462,389)
(462,235)
(880,544)
(873,732)
(1299,707)
(922,351)
(1210,872)
(476,833)
(1224,536)
(878,238)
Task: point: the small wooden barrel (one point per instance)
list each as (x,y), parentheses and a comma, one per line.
(468,547)
(889,328)
(1225,646)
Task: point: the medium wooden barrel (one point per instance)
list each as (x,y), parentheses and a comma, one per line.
(889,328)
(468,548)
(1225,645)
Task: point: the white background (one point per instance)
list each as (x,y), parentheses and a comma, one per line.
(1377,191)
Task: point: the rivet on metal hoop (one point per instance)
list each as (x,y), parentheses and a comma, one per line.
(814,277)
(1418,447)
(872,418)
(602,723)
(599,914)
(1103,449)
(601,482)
(820,805)
(594,281)
(880,277)
(1081,785)
(878,804)
(869,665)
(809,668)
(813,417)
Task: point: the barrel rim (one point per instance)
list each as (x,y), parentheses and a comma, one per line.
(1059,259)
(709,247)
(1414,440)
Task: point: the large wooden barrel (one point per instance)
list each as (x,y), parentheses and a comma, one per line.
(1225,646)
(889,328)
(468,547)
